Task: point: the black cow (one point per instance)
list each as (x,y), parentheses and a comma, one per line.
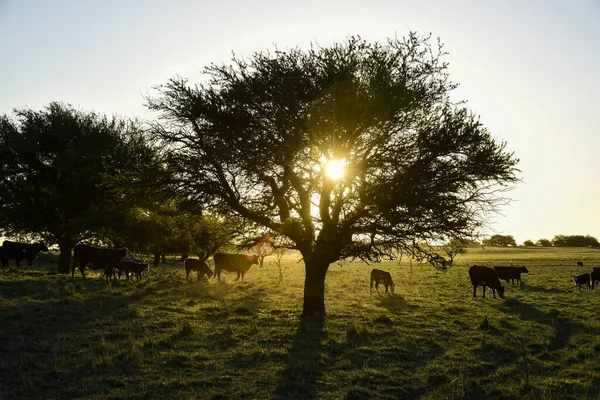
(135,267)
(239,263)
(96,258)
(378,276)
(18,251)
(595,276)
(485,276)
(582,280)
(192,264)
(579,264)
(510,273)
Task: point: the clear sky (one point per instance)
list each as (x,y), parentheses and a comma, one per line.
(530,69)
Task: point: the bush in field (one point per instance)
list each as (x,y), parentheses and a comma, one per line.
(528,243)
(500,241)
(543,243)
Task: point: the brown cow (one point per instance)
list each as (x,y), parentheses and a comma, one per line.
(192,264)
(485,276)
(239,263)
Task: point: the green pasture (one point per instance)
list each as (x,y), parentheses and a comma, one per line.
(165,337)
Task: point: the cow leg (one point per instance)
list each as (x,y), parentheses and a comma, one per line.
(386,289)
(494,293)
(238,276)
(242,277)
(483,290)
(474,291)
(371,288)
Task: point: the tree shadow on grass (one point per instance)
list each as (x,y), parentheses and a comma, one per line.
(395,304)
(299,380)
(540,289)
(564,328)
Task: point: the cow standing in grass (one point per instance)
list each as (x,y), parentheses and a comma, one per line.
(582,280)
(135,267)
(510,273)
(95,258)
(18,251)
(192,264)
(378,276)
(595,276)
(238,263)
(485,276)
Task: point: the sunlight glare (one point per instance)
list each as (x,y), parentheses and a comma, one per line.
(334,169)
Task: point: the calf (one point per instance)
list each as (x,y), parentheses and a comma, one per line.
(18,251)
(238,263)
(191,264)
(378,276)
(135,267)
(510,273)
(485,276)
(579,264)
(96,258)
(581,280)
(595,276)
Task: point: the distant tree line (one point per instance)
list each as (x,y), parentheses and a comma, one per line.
(557,241)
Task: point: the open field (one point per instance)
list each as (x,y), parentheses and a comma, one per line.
(168,338)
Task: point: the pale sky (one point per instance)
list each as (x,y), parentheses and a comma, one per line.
(530,69)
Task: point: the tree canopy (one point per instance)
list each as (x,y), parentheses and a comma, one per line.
(54,164)
(500,241)
(257,138)
(575,241)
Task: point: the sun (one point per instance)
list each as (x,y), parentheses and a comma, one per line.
(334,169)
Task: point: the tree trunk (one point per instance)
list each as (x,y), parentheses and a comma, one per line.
(156,259)
(314,289)
(163,258)
(64,259)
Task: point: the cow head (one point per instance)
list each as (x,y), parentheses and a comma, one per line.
(42,246)
(501,291)
(392,287)
(574,279)
(127,256)
(523,269)
(254,259)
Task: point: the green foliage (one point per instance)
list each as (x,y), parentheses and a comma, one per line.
(54,168)
(254,138)
(575,241)
(543,243)
(500,241)
(528,243)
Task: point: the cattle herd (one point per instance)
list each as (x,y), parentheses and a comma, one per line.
(115,262)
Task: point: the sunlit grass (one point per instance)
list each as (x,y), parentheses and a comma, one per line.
(168,338)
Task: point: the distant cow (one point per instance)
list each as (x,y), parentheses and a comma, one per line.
(191,264)
(510,273)
(485,276)
(581,280)
(595,276)
(96,258)
(579,264)
(135,267)
(238,263)
(378,276)
(18,251)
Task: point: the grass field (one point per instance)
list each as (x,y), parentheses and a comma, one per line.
(165,337)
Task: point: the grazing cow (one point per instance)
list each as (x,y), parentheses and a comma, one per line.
(135,267)
(485,276)
(581,280)
(595,276)
(18,251)
(239,263)
(96,258)
(579,264)
(378,276)
(510,273)
(192,264)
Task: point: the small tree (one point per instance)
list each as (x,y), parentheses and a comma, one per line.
(528,243)
(500,241)
(543,243)
(453,248)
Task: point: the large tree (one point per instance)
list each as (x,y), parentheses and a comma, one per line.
(55,166)
(348,151)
